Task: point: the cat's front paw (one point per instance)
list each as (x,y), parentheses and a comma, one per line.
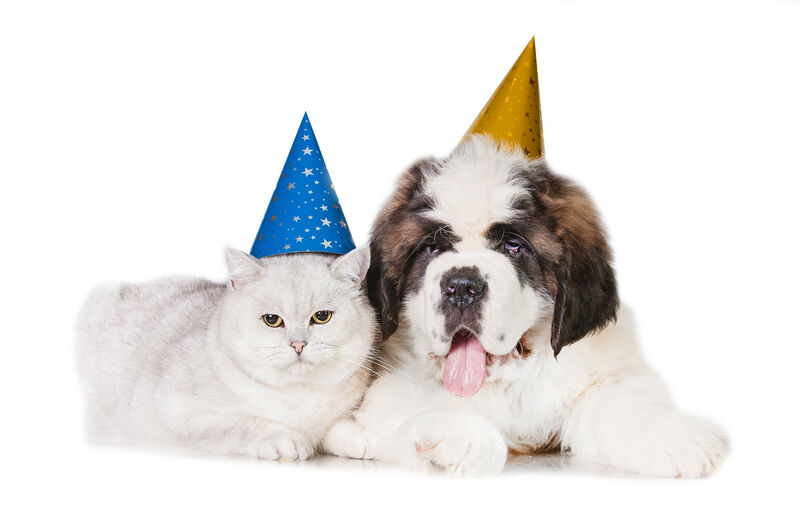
(288,446)
(682,446)
(461,443)
(348,439)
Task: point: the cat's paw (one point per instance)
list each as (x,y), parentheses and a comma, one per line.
(288,446)
(348,439)
(461,443)
(682,446)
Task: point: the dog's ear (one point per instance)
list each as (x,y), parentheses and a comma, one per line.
(382,291)
(394,236)
(586,293)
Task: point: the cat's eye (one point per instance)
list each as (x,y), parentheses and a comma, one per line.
(273,320)
(323,316)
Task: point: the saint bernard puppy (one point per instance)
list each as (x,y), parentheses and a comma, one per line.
(492,278)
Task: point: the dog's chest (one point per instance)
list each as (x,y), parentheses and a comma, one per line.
(529,415)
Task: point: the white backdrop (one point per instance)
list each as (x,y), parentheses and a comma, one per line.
(139,138)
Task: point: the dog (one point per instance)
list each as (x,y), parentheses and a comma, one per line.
(502,331)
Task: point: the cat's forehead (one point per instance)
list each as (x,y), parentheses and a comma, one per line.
(300,284)
(298,272)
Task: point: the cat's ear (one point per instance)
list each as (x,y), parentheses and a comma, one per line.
(242,267)
(353,266)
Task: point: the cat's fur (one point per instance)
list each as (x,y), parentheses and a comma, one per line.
(190,363)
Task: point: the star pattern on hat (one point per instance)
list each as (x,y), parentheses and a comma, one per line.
(304,202)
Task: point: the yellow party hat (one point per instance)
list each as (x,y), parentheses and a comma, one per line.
(513,114)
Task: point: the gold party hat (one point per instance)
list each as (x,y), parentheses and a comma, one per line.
(513,115)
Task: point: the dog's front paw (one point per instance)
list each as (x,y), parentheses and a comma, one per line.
(288,446)
(682,446)
(459,442)
(348,439)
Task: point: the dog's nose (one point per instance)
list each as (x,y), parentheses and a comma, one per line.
(463,287)
(298,346)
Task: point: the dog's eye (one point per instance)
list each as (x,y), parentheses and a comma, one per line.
(273,320)
(513,247)
(432,249)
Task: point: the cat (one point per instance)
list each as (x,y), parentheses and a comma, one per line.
(268,365)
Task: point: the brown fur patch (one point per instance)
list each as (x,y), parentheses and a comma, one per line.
(395,235)
(586,298)
(552,446)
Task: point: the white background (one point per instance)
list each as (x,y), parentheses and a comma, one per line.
(139,138)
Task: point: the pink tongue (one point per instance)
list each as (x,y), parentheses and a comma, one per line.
(465,368)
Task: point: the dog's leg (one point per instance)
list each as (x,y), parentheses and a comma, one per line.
(460,442)
(631,424)
(425,429)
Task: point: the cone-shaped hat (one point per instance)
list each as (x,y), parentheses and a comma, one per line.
(513,114)
(304,213)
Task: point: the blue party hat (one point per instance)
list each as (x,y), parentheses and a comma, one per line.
(304,213)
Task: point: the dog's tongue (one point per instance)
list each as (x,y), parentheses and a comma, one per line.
(465,368)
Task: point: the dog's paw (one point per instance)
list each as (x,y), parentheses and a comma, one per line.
(348,439)
(459,442)
(682,446)
(288,446)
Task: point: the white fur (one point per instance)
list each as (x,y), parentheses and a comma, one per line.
(184,362)
(598,399)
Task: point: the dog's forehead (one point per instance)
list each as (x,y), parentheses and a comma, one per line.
(471,197)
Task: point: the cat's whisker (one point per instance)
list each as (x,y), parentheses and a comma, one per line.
(360,365)
(383,364)
(325,344)
(380,365)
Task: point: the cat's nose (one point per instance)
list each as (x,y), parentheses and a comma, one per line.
(298,346)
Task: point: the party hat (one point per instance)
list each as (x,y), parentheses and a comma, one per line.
(513,115)
(304,213)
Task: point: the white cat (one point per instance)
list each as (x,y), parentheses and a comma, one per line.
(269,365)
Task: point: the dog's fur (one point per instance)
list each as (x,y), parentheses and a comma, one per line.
(563,371)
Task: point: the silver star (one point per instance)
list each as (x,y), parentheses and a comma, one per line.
(324,207)
(305,137)
(299,239)
(287,246)
(307,151)
(296,219)
(326,243)
(325,222)
(307,172)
